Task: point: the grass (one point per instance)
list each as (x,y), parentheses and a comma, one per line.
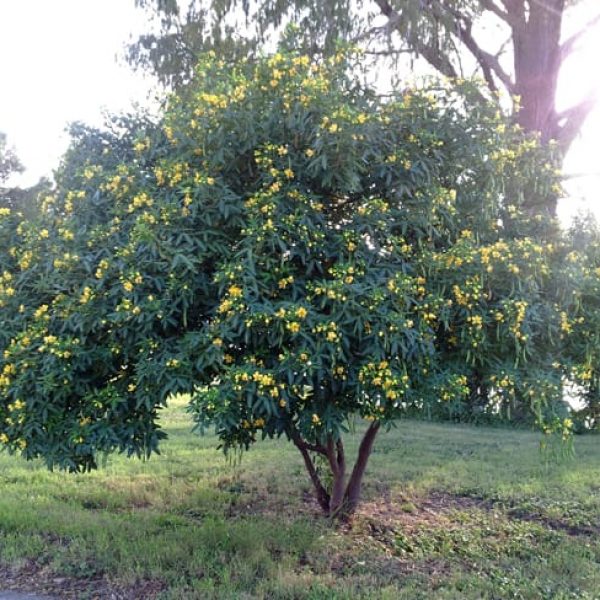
(448,512)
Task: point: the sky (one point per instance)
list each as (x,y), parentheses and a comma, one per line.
(58,65)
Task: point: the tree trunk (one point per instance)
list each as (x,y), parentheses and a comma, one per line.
(341,503)
(320,491)
(337,464)
(355,483)
(537,61)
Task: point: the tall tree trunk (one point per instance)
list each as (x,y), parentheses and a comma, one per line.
(537,62)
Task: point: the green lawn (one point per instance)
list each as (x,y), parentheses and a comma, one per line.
(448,512)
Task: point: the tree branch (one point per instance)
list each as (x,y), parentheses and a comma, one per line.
(572,121)
(321,492)
(489,63)
(498,11)
(437,60)
(570,43)
(297,439)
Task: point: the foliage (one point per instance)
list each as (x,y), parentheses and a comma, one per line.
(292,250)
(580,319)
(450,36)
(467,512)
(9,163)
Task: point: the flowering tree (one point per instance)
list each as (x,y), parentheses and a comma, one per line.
(291,250)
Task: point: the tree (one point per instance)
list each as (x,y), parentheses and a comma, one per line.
(19,200)
(9,165)
(293,251)
(580,319)
(516,46)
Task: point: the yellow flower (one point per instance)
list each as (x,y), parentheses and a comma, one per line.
(86,295)
(310,152)
(218,342)
(128,286)
(316,419)
(235,291)
(40,311)
(301,312)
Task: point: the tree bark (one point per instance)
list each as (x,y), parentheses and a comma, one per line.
(320,491)
(355,484)
(344,497)
(337,464)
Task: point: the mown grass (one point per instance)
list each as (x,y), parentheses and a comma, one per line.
(449,512)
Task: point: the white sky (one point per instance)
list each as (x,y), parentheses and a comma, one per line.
(57,65)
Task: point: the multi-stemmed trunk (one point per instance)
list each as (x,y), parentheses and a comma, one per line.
(343,497)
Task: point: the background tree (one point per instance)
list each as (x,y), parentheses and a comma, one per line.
(9,163)
(516,46)
(19,200)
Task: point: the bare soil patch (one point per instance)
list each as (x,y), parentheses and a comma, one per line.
(34,578)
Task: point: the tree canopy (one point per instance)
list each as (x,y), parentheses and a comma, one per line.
(517,47)
(294,252)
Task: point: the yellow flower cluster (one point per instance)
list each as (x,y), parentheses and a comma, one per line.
(565,325)
(456,388)
(333,291)
(66,260)
(330,330)
(504,382)
(86,295)
(6,289)
(472,292)
(519,308)
(285,281)
(102,267)
(476,321)
(380,375)
(139,201)
(231,301)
